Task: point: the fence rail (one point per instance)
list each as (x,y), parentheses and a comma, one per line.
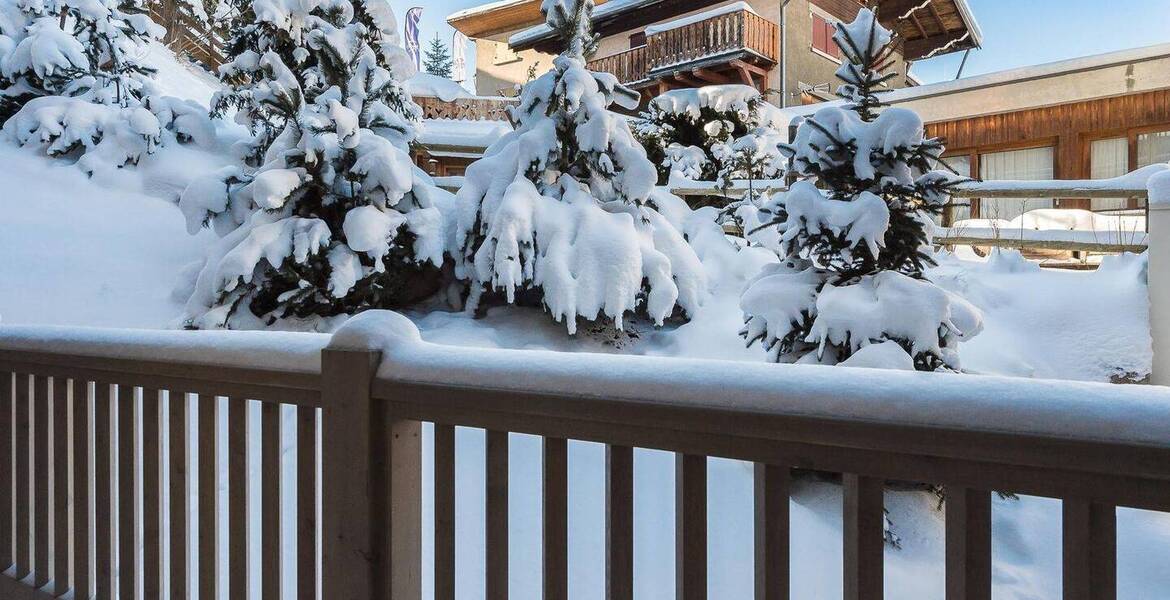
(1095,446)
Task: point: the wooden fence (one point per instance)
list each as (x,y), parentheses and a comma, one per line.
(76,393)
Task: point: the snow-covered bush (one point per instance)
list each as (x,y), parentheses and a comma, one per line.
(89,49)
(855,248)
(335,218)
(712,133)
(558,211)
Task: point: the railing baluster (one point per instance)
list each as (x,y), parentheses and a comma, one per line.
(81,494)
(126,491)
(208,495)
(237,426)
(968,544)
(690,526)
(306,502)
(771,531)
(556,524)
(863,537)
(270,500)
(1090,550)
(179,492)
(103,482)
(60,468)
(444,512)
(619,522)
(42,474)
(7,384)
(151,494)
(496,558)
(24,449)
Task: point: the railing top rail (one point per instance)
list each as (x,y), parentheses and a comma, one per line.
(277,366)
(1085,411)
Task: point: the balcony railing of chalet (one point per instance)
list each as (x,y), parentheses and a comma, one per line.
(131,402)
(187,35)
(467,109)
(739,31)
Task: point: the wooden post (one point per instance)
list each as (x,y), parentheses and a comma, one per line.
(371,486)
(690,526)
(1090,551)
(1158,280)
(864,544)
(771,531)
(968,544)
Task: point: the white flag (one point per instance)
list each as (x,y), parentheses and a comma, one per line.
(459,56)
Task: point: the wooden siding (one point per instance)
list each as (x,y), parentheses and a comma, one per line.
(1068,128)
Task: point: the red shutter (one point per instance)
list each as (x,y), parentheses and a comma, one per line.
(834,50)
(820,41)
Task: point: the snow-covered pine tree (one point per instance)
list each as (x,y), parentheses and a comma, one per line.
(72,79)
(560,212)
(336,218)
(712,133)
(852,288)
(437,59)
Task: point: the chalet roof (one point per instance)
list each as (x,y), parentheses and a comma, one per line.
(927,27)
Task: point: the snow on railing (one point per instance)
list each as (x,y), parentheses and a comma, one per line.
(368,387)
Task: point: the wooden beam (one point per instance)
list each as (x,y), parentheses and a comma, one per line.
(685,79)
(1024,244)
(918,25)
(942,25)
(710,76)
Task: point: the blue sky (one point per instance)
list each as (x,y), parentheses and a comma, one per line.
(1016,33)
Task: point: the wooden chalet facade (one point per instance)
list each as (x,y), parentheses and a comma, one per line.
(658,45)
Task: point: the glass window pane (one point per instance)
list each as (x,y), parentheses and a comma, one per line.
(1029,164)
(960,208)
(1109,158)
(1153,148)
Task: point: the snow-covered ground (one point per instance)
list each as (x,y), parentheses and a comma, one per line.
(111,251)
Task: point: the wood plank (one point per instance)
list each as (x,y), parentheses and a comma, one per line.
(1026,244)
(103,485)
(60,467)
(151,494)
(237,434)
(127,569)
(208,497)
(82,400)
(968,544)
(306,502)
(7,458)
(690,526)
(555,495)
(270,500)
(444,512)
(399,469)
(42,474)
(619,522)
(771,484)
(180,492)
(496,538)
(864,542)
(1090,551)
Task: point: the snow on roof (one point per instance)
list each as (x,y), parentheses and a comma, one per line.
(462,133)
(695,18)
(433,86)
(969,18)
(1052,69)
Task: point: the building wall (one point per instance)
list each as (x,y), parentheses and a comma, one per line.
(805,65)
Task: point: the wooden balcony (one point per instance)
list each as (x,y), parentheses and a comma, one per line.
(736,47)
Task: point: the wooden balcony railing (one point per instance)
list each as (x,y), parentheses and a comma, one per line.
(467,109)
(630,66)
(739,31)
(77,393)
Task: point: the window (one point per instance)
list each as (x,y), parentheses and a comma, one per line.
(822,36)
(1109,158)
(637,39)
(1033,163)
(1153,148)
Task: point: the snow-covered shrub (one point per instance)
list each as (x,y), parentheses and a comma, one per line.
(855,248)
(557,211)
(326,214)
(712,133)
(89,49)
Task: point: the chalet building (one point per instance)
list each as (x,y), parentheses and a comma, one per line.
(1094,117)
(781,46)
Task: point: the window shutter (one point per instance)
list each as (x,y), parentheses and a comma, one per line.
(820,42)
